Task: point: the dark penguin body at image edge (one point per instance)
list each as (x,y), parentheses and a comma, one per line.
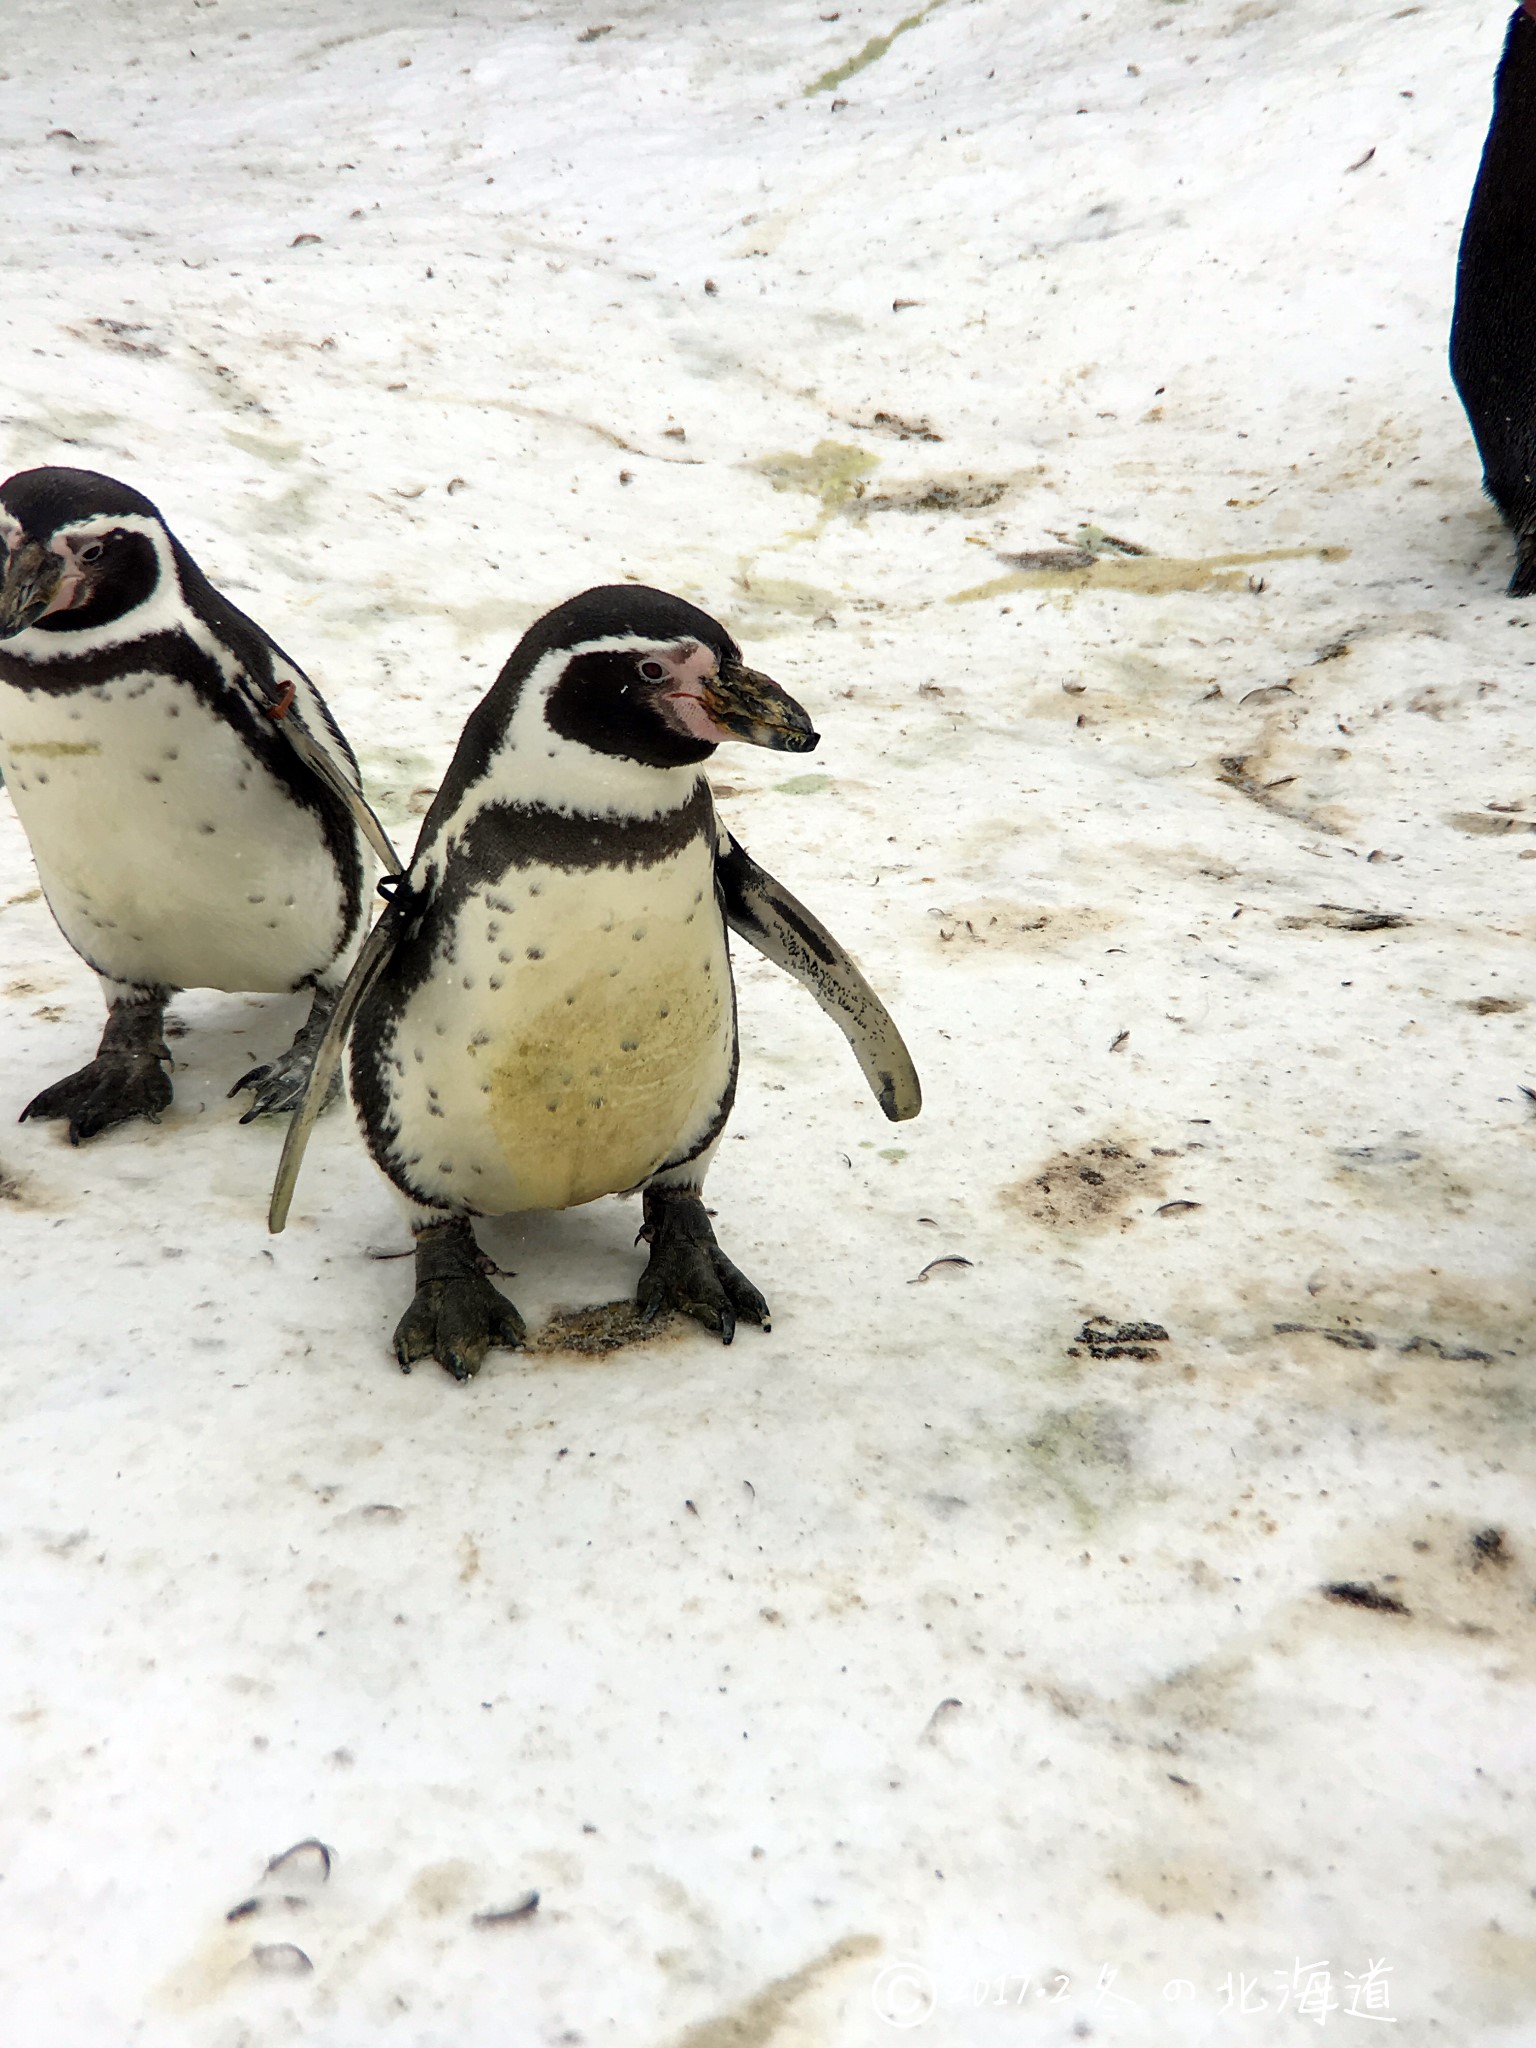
(194,812)
(1493,331)
(545,1013)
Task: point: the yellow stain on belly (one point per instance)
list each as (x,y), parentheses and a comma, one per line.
(590,1095)
(55,750)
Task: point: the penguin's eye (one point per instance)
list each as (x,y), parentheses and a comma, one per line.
(93,551)
(653,671)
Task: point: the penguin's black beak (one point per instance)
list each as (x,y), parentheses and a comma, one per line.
(33,574)
(752,707)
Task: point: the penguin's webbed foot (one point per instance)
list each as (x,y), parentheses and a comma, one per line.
(280,1084)
(114,1089)
(688,1270)
(456,1315)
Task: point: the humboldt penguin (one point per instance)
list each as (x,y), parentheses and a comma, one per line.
(196,816)
(545,1013)
(1493,329)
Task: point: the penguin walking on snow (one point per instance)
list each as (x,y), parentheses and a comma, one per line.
(1493,330)
(194,811)
(545,1012)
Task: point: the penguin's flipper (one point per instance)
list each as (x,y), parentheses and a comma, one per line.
(784,931)
(325,768)
(370,963)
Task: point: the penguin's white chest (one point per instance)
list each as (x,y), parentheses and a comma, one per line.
(578,1034)
(166,851)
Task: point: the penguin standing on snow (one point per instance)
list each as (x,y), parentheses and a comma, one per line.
(194,812)
(1493,331)
(545,1012)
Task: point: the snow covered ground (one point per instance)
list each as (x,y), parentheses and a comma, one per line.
(914,1668)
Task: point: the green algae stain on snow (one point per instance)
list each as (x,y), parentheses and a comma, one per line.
(872,51)
(1145,575)
(833,471)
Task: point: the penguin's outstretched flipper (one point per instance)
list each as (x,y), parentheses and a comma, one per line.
(765,914)
(370,963)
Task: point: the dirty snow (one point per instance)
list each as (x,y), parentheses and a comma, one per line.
(912,1663)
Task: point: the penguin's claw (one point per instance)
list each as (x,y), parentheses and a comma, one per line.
(688,1270)
(456,1322)
(456,1315)
(281,1083)
(114,1089)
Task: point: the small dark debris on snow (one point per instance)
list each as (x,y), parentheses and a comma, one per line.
(903,430)
(299,241)
(244,1910)
(1119,1041)
(1350,1594)
(307,1859)
(590,35)
(939,1715)
(965,493)
(1360,162)
(508,1916)
(1455,1353)
(1266,693)
(1334,651)
(1179,1208)
(950,1259)
(1108,1339)
(1049,558)
(1489,1547)
(1346,918)
(1347,1340)
(901,305)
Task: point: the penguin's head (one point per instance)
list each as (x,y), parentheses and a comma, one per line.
(633,672)
(81,551)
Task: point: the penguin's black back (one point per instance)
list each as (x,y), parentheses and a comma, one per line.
(1493,331)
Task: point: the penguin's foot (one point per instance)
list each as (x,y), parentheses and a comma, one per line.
(128,1077)
(457,1315)
(281,1083)
(114,1089)
(688,1270)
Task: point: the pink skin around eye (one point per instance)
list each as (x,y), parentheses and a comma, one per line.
(689,668)
(71,585)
